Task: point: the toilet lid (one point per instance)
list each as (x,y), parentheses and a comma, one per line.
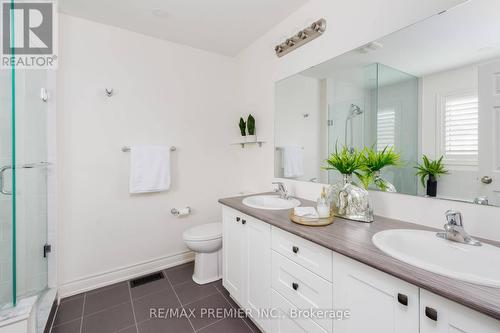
(204,232)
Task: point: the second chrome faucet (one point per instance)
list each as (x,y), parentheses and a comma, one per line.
(454,229)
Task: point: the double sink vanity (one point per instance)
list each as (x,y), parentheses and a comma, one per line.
(386,276)
(415,112)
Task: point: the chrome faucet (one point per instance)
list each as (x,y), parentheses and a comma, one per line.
(454,230)
(481,200)
(281,189)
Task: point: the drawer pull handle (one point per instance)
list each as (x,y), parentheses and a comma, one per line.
(295,249)
(244,221)
(295,286)
(403,299)
(238,219)
(431,313)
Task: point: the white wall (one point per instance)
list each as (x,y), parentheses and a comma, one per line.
(350,25)
(165,94)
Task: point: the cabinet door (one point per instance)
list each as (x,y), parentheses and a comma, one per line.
(439,315)
(376,300)
(233,251)
(257,269)
(284,322)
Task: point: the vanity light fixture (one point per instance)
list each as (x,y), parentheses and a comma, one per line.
(370,47)
(159,13)
(303,37)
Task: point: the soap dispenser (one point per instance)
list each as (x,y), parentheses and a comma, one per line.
(323,206)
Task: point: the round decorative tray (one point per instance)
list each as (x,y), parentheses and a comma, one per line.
(312,222)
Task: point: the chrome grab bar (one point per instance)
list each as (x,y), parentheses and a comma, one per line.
(22,166)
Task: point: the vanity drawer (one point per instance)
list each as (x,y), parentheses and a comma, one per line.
(301,287)
(314,257)
(288,324)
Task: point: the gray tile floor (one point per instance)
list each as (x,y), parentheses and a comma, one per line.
(119,308)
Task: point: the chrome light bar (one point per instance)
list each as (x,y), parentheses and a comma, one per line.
(303,37)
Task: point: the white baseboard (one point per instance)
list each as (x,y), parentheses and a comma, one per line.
(123,274)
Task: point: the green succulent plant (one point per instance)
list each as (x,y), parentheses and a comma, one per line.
(346,161)
(251,125)
(434,168)
(373,161)
(243,127)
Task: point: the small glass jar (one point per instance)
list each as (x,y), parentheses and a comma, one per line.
(323,208)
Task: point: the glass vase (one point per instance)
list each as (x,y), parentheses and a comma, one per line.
(351,201)
(383,184)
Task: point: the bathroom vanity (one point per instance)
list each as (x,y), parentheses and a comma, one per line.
(271,263)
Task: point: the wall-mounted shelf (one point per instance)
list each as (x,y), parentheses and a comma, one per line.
(242,144)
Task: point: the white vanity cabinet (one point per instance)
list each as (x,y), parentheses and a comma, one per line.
(439,315)
(377,302)
(247,263)
(232,253)
(269,269)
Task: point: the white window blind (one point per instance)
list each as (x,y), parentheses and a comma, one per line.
(386,128)
(460,121)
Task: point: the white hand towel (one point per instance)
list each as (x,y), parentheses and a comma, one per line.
(306,212)
(149,169)
(293,162)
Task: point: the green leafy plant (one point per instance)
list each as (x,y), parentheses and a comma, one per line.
(374,161)
(346,161)
(243,127)
(431,168)
(251,125)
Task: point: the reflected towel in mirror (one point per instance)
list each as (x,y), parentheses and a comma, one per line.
(293,162)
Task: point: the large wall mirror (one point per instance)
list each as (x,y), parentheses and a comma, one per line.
(430,89)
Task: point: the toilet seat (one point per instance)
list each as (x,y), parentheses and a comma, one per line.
(205,232)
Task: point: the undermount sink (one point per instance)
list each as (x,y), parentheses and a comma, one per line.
(270,202)
(475,264)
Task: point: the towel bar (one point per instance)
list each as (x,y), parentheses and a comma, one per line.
(126,149)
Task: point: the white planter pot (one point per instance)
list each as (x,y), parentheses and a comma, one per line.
(250,138)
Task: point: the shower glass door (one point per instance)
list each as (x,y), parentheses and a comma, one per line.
(7,202)
(23,184)
(31,176)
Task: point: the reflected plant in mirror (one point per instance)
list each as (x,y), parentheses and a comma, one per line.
(432,169)
(373,162)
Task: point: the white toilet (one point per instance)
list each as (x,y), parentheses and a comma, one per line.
(206,241)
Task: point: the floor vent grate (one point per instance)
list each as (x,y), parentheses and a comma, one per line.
(146,279)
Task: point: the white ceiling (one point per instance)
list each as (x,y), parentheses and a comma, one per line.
(221,26)
(466,34)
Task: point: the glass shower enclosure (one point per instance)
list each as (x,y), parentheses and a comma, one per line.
(23,184)
(375,106)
